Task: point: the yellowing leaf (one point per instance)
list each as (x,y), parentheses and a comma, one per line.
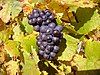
(30,67)
(70,50)
(12,48)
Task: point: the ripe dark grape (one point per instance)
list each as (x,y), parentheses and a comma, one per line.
(50,34)
(49,31)
(51,17)
(56,48)
(52,25)
(39,20)
(44,17)
(41,52)
(43,29)
(35,15)
(37,28)
(46,56)
(58,28)
(52,54)
(44,37)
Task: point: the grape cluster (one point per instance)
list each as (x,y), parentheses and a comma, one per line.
(49,33)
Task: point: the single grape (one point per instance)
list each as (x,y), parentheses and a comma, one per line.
(44,37)
(58,28)
(49,38)
(46,56)
(30,21)
(56,49)
(37,28)
(49,31)
(33,20)
(44,44)
(48,13)
(43,29)
(51,17)
(35,11)
(44,17)
(39,20)
(50,48)
(56,33)
(47,51)
(30,16)
(48,21)
(56,40)
(41,52)
(42,47)
(52,25)
(38,43)
(52,54)
(35,15)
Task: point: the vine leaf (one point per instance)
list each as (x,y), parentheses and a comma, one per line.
(30,66)
(28,28)
(12,7)
(12,48)
(28,42)
(90,25)
(71,48)
(92,50)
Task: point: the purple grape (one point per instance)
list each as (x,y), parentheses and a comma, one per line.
(44,44)
(42,47)
(49,38)
(47,51)
(43,29)
(39,20)
(56,49)
(49,31)
(34,20)
(38,43)
(44,37)
(56,40)
(48,21)
(30,16)
(30,21)
(41,52)
(50,48)
(52,25)
(56,33)
(58,28)
(52,54)
(44,17)
(51,17)
(35,11)
(48,13)
(46,56)
(35,15)
(37,28)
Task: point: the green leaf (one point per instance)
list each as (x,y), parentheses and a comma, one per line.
(12,48)
(91,24)
(28,42)
(92,50)
(28,28)
(31,65)
(71,47)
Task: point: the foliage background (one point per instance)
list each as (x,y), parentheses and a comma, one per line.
(79,50)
